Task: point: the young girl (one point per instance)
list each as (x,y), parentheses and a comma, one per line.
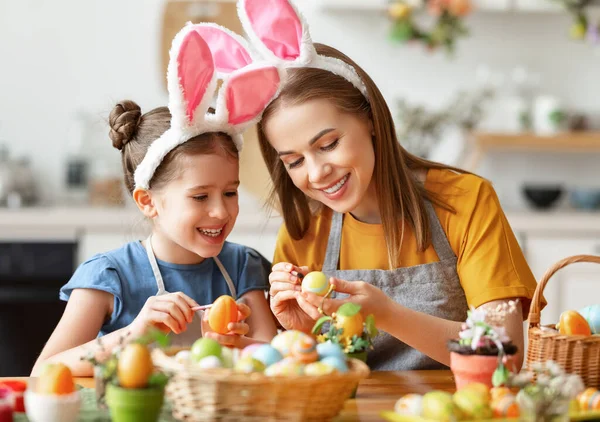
(412,241)
(181,166)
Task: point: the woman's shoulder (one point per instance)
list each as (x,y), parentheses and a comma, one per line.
(447,181)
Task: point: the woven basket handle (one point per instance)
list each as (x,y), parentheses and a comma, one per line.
(536,302)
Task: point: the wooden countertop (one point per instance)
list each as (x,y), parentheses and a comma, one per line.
(377,393)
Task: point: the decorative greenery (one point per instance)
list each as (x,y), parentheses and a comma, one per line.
(546,390)
(447,24)
(582,29)
(355,344)
(419,129)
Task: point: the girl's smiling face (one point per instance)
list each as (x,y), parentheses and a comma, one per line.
(328,154)
(197,210)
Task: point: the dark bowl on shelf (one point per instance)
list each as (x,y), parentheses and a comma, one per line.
(542,196)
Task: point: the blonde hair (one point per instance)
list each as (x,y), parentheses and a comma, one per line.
(400,195)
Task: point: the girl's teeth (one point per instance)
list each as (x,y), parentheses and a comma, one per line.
(211,232)
(337,186)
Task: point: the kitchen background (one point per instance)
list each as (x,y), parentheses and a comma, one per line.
(65,63)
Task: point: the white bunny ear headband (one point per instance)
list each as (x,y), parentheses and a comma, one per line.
(203,53)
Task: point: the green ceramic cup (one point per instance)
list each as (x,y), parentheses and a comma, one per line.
(362,356)
(134,404)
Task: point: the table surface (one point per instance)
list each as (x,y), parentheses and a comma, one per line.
(376,393)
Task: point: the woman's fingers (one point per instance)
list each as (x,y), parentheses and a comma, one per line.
(278,287)
(308,307)
(285,277)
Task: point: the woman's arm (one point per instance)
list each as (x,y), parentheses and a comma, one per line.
(426,333)
(430,334)
(75,335)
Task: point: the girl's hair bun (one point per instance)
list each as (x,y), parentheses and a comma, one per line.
(124,120)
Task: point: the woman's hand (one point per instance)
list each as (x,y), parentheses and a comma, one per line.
(371,299)
(290,309)
(236,337)
(168,312)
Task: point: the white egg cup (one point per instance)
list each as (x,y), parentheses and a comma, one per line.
(52,407)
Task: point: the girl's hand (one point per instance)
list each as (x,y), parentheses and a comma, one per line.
(290,309)
(236,337)
(371,299)
(168,312)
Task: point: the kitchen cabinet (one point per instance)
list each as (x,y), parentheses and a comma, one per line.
(572,287)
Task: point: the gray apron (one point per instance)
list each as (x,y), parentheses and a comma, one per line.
(194,328)
(433,289)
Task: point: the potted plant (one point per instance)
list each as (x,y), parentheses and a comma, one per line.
(127,381)
(483,353)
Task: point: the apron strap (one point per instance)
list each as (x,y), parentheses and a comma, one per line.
(227,278)
(157,276)
(334,242)
(439,240)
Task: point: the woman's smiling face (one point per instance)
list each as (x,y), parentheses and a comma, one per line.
(328,154)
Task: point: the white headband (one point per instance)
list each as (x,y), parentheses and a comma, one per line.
(203,53)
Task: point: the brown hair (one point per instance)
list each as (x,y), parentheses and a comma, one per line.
(132,133)
(400,195)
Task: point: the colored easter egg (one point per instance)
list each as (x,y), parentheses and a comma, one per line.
(223,312)
(304,349)
(267,354)
(210,362)
(438,405)
(205,347)
(505,406)
(589,399)
(572,323)
(249,350)
(472,404)
(228,356)
(183,356)
(592,316)
(285,367)
(329,348)
(57,378)
(249,364)
(134,366)
(284,341)
(479,388)
(315,282)
(336,362)
(409,405)
(499,392)
(318,368)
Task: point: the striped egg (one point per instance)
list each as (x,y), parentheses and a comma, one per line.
(409,405)
(592,315)
(315,282)
(318,368)
(304,349)
(505,406)
(285,367)
(589,399)
(285,340)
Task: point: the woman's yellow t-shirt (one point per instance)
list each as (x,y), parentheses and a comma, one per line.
(491,265)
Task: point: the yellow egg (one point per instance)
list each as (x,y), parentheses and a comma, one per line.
(315,282)
(135,366)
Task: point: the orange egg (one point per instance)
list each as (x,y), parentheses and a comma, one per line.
(223,311)
(573,323)
(589,399)
(55,379)
(135,366)
(351,325)
(506,406)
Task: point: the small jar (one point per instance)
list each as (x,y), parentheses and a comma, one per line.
(6,405)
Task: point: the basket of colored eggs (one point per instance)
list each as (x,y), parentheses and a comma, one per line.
(291,378)
(574,343)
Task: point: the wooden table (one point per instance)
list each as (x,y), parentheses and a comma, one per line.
(378,392)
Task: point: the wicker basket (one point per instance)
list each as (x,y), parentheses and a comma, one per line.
(576,354)
(222,394)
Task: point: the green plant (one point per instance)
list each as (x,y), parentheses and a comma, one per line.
(335,333)
(582,27)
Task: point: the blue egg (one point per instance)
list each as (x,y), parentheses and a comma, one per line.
(330,349)
(267,354)
(336,362)
(592,316)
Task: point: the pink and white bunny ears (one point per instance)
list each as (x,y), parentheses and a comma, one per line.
(280,34)
(199,56)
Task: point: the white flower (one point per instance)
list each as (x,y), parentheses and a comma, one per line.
(554,368)
(501,334)
(479,332)
(543,379)
(572,386)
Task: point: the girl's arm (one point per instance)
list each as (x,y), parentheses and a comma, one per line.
(257,327)
(76,332)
